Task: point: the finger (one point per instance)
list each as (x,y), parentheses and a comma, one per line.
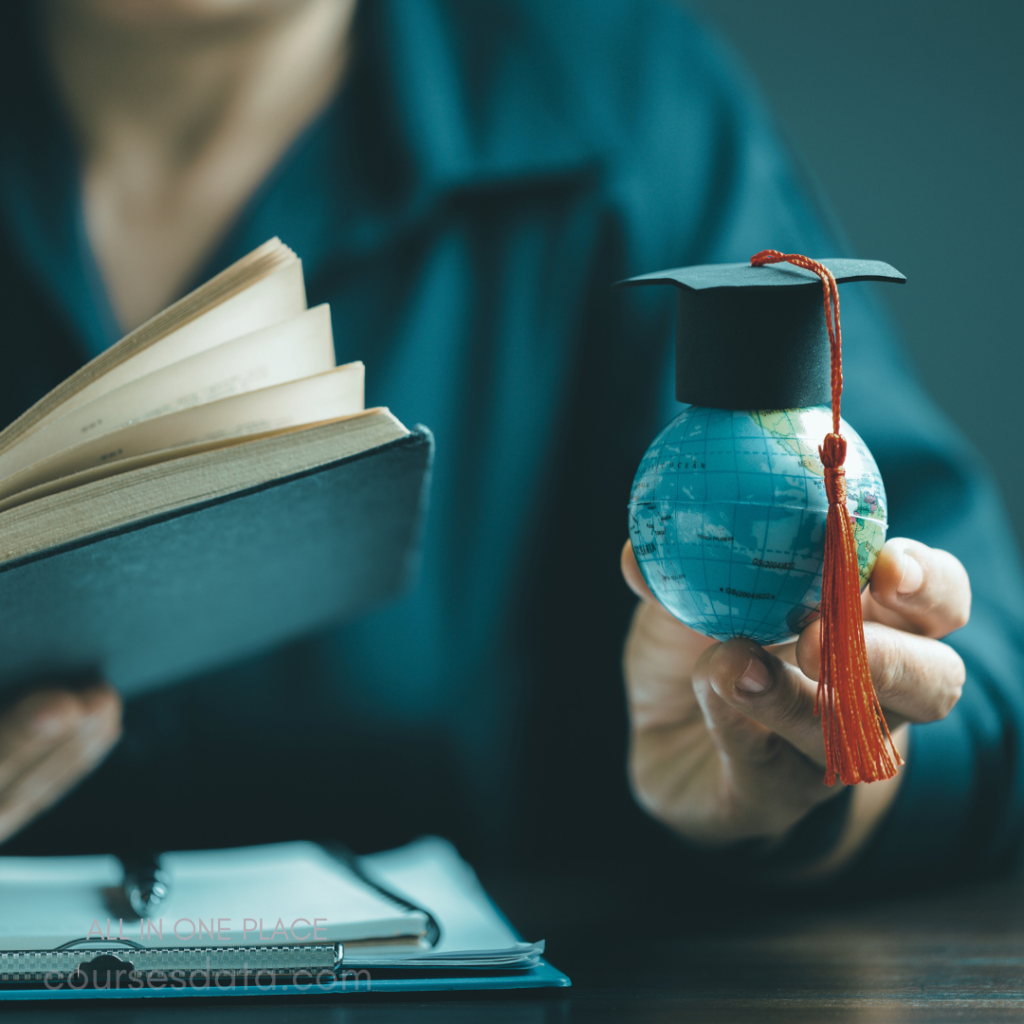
(918,589)
(45,718)
(658,657)
(917,679)
(768,690)
(103,701)
(633,576)
(786,651)
(772,783)
(670,631)
(42,710)
(55,773)
(658,661)
(33,726)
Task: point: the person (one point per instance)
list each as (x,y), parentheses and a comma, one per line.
(464,181)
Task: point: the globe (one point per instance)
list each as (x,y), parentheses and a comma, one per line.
(727,518)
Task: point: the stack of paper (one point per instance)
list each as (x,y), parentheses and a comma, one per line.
(431,874)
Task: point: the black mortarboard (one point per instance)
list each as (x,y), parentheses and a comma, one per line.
(754,337)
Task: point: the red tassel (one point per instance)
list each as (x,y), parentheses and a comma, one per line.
(858,747)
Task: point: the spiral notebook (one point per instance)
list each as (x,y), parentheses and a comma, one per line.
(289,918)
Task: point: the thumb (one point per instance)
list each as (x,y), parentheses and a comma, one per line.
(770,691)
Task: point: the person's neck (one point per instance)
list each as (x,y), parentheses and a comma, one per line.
(179,119)
(176,82)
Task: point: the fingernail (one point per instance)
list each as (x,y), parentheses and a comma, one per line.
(755,678)
(913,576)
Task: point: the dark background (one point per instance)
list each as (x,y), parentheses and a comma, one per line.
(909,115)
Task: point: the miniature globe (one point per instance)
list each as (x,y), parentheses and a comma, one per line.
(727,518)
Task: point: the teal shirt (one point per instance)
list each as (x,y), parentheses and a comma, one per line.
(489,168)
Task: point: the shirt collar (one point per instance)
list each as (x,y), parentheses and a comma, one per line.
(435,104)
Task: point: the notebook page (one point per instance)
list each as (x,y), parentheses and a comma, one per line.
(294,892)
(430,873)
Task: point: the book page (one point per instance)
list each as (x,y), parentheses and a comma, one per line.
(326,396)
(106,497)
(302,346)
(279,295)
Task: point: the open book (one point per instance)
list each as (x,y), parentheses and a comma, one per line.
(239,361)
(229,391)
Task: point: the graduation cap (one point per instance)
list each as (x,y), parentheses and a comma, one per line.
(754,337)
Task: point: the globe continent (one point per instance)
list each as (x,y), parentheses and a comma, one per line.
(727,518)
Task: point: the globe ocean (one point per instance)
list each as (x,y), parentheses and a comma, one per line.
(727,518)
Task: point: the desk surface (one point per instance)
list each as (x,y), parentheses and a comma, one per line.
(952,956)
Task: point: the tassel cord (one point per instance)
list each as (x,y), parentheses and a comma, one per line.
(858,746)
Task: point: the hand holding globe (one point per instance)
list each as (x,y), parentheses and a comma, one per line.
(739,522)
(724,742)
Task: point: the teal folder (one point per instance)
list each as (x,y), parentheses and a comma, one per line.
(541,976)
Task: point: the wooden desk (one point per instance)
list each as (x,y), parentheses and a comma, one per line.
(957,956)
(953,956)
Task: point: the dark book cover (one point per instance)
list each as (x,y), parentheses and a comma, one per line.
(173,595)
